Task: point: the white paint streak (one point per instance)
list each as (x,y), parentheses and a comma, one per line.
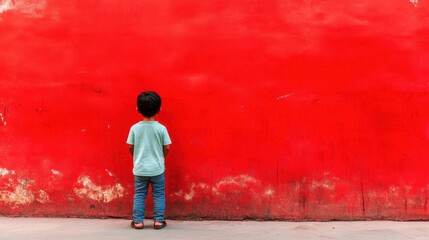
(98,193)
(110,173)
(414,2)
(285,96)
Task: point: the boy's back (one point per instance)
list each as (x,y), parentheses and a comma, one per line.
(148,138)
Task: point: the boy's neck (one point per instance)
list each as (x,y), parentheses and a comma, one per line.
(146,119)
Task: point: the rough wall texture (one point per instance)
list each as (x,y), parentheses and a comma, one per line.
(296,109)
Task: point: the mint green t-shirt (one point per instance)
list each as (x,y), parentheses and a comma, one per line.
(148,138)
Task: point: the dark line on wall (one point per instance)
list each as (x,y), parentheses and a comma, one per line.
(426,203)
(277,177)
(363,198)
(406,204)
(303,202)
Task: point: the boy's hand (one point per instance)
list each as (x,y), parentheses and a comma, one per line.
(166,150)
(131,149)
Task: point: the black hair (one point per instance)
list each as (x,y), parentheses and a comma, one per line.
(148,103)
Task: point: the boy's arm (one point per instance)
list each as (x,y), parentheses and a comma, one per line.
(166,149)
(131,149)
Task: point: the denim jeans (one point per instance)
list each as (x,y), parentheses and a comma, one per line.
(141,185)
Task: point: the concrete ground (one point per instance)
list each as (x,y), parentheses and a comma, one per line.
(94,229)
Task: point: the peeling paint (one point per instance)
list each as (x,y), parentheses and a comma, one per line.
(4,172)
(326,184)
(191,194)
(178,194)
(89,190)
(5,6)
(414,2)
(241,180)
(215,191)
(56,173)
(31,8)
(269,192)
(2,119)
(19,196)
(42,197)
(394,190)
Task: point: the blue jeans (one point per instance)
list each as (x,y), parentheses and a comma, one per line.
(141,185)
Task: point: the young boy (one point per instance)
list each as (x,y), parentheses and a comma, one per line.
(149,145)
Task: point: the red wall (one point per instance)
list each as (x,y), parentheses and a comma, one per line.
(292,109)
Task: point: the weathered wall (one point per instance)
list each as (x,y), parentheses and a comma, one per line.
(297,109)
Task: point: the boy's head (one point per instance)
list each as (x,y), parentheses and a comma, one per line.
(148,103)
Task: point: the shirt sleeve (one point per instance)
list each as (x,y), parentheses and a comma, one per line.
(130,139)
(167,140)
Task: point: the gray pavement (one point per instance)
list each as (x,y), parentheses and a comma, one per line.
(98,229)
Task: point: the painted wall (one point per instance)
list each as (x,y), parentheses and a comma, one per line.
(294,109)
